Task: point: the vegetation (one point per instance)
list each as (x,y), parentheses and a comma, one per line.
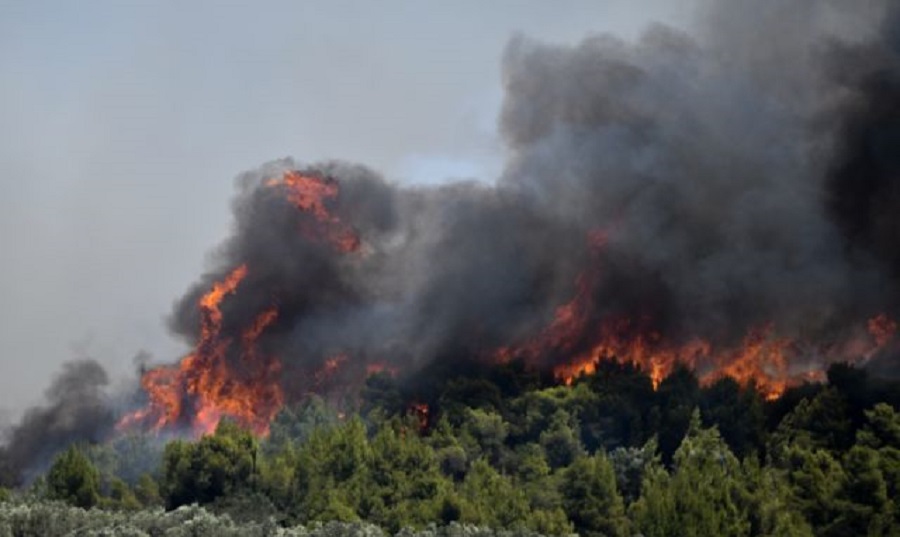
(503,448)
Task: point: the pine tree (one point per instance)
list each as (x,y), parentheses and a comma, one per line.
(73,479)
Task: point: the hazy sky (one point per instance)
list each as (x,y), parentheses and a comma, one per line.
(123,125)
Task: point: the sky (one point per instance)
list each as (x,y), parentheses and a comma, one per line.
(123,125)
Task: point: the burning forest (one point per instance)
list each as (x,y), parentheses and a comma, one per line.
(726,201)
(663,204)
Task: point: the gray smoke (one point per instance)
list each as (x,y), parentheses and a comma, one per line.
(77,410)
(707,159)
(717,164)
(744,176)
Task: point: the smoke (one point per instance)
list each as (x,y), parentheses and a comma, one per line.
(862,180)
(741,176)
(76,410)
(704,158)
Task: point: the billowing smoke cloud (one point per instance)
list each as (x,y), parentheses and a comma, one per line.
(77,409)
(743,176)
(706,184)
(863,186)
(706,159)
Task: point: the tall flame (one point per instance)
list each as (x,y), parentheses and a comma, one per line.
(230,376)
(204,387)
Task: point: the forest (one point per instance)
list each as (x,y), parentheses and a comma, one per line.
(501,450)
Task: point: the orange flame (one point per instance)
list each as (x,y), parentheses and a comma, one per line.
(420,411)
(379,367)
(310,194)
(205,384)
(329,368)
(882,329)
(230,376)
(762,358)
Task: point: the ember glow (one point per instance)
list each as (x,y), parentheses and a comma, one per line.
(421,413)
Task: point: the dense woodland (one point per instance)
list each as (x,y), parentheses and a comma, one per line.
(502,450)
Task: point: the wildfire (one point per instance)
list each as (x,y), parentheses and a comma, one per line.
(761,358)
(576,344)
(882,329)
(379,367)
(230,375)
(330,368)
(310,194)
(204,387)
(420,411)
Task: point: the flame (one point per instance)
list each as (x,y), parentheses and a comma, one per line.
(229,375)
(310,194)
(330,368)
(762,358)
(576,344)
(204,387)
(380,367)
(420,411)
(882,329)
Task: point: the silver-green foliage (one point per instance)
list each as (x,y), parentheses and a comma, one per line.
(57,519)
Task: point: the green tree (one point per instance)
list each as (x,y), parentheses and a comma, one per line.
(769,503)
(630,465)
(820,423)
(490,498)
(483,434)
(146,491)
(406,487)
(677,398)
(533,476)
(655,512)
(618,411)
(451,456)
(590,498)
(294,424)
(705,494)
(882,428)
(121,496)
(217,465)
(560,441)
(882,432)
(814,478)
(331,473)
(277,474)
(737,413)
(530,414)
(864,505)
(73,479)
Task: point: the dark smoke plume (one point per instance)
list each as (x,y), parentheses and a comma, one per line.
(744,176)
(77,410)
